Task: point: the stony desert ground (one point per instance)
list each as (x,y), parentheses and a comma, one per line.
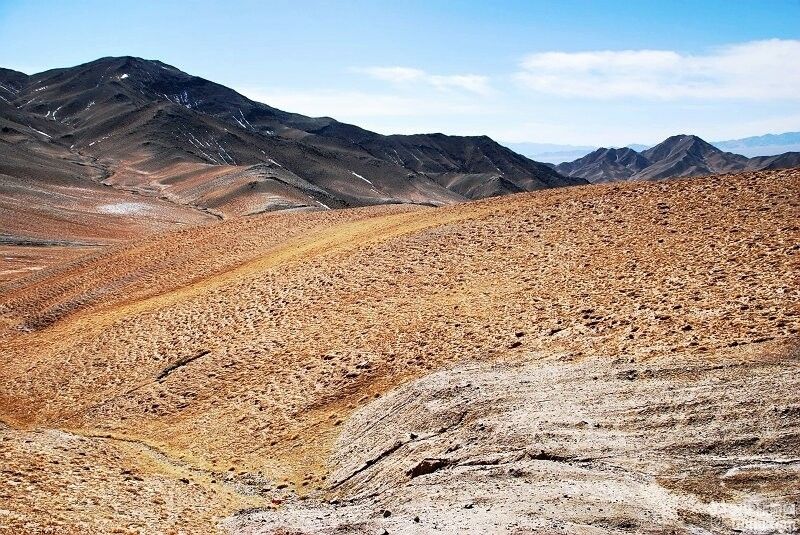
(617,358)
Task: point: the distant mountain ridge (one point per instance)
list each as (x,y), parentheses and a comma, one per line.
(552,153)
(677,156)
(766,145)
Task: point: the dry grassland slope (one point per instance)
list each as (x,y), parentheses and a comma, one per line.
(172,381)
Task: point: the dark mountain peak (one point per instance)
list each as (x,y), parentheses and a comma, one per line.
(684,141)
(681,139)
(141,73)
(695,141)
(120,84)
(679,144)
(115,61)
(135,71)
(95,77)
(120,63)
(688,155)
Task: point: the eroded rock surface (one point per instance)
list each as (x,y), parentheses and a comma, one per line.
(553,446)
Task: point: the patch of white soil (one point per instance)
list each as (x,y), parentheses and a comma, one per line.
(125,208)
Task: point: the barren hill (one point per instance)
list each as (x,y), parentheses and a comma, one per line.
(123,147)
(608,359)
(164,133)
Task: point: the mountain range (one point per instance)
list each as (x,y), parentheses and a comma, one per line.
(677,156)
(766,145)
(124,136)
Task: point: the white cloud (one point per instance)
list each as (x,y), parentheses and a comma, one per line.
(473,83)
(757,70)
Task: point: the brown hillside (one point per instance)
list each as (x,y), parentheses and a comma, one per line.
(185,376)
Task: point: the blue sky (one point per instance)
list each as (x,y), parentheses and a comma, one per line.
(580,72)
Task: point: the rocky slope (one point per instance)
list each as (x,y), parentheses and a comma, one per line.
(677,156)
(537,448)
(622,356)
(55,202)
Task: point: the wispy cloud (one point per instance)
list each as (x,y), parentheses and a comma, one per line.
(728,92)
(756,70)
(473,83)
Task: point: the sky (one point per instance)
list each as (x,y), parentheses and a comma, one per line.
(564,72)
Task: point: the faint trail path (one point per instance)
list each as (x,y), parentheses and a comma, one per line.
(340,238)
